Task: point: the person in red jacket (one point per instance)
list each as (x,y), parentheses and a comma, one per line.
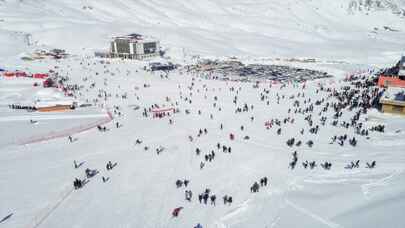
(176,211)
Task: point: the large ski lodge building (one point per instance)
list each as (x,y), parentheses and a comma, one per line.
(134,46)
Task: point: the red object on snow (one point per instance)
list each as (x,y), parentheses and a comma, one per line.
(163,110)
(41,76)
(176,211)
(21,74)
(15,74)
(9,74)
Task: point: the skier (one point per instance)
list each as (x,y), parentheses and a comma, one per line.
(105,179)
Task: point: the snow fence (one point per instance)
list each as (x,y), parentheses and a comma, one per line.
(66,132)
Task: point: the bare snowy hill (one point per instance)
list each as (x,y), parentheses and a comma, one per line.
(395,6)
(344,29)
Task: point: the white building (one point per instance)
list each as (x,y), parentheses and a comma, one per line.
(134,46)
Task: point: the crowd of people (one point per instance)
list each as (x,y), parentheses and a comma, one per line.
(23,107)
(342,108)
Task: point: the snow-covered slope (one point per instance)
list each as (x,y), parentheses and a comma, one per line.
(395,6)
(36,179)
(288,28)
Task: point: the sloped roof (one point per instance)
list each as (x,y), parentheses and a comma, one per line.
(402,62)
(394,95)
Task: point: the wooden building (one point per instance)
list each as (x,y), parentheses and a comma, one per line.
(393,101)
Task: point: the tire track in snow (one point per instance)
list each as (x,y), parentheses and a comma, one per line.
(38,223)
(372,187)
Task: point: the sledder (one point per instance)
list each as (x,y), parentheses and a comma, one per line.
(371,166)
(91,172)
(176,211)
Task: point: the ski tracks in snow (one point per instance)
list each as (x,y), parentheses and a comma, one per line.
(294,185)
(232,213)
(38,220)
(312,215)
(374,186)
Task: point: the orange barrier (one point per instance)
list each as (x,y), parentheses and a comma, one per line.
(40,76)
(56,108)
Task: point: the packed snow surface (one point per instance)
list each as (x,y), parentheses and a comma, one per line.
(36,174)
(141,191)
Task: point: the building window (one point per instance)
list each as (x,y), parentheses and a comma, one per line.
(149,48)
(122,46)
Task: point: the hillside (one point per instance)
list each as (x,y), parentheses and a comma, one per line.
(337,30)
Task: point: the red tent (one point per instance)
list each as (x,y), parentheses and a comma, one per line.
(163,110)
